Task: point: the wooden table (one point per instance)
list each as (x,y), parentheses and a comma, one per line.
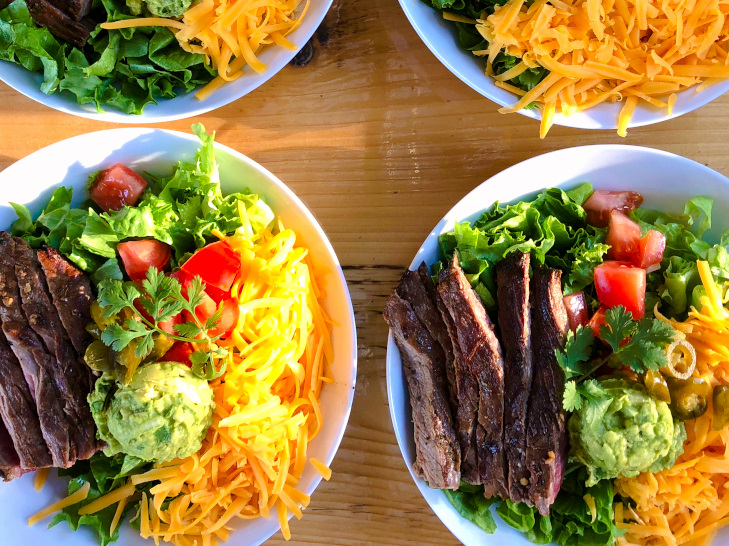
(379,140)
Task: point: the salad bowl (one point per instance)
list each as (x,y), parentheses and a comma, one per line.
(440,37)
(182,106)
(666,181)
(155,151)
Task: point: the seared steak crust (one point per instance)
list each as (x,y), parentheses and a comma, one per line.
(546,453)
(512,277)
(437,451)
(482,354)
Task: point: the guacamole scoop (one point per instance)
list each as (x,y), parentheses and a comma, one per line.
(162,414)
(159,8)
(626,434)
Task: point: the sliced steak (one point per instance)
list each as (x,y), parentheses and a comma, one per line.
(59,23)
(77,9)
(512,278)
(546,436)
(39,367)
(438,456)
(417,288)
(72,296)
(72,376)
(9,461)
(18,412)
(481,352)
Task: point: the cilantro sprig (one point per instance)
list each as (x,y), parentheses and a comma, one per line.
(640,345)
(162,299)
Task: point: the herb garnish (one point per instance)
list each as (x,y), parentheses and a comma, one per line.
(162,299)
(640,345)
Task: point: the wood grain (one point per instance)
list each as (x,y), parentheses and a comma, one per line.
(379,140)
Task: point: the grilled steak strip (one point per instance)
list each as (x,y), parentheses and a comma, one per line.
(39,367)
(482,354)
(77,9)
(9,461)
(72,296)
(18,412)
(546,437)
(512,277)
(59,23)
(72,376)
(437,453)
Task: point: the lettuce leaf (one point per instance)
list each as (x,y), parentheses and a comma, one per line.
(104,474)
(569,523)
(181,210)
(124,69)
(552,227)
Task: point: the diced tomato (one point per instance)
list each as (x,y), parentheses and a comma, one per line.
(180,352)
(139,256)
(116,187)
(229,319)
(167,326)
(650,251)
(602,202)
(597,320)
(216,293)
(217,264)
(204,311)
(621,283)
(576,310)
(623,236)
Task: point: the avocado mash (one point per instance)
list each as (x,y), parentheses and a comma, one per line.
(625,434)
(160,8)
(162,414)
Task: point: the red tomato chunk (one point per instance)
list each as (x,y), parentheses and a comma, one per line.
(651,249)
(139,256)
(180,352)
(621,283)
(576,310)
(602,202)
(116,187)
(623,237)
(217,264)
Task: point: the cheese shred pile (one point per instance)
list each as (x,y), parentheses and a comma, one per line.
(229,33)
(607,50)
(688,503)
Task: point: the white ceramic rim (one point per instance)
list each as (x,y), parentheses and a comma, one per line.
(16,171)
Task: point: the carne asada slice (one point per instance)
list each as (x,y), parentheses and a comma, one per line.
(9,461)
(438,457)
(18,412)
(482,354)
(417,288)
(77,9)
(72,296)
(512,278)
(72,376)
(39,367)
(546,431)
(59,23)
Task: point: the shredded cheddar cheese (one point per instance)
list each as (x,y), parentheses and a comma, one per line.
(688,503)
(229,33)
(608,50)
(73,498)
(40,478)
(266,405)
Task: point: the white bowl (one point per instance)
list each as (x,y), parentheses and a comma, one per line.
(439,36)
(182,106)
(666,181)
(32,180)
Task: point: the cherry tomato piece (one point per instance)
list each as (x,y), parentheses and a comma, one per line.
(602,202)
(116,187)
(621,283)
(576,310)
(650,251)
(623,237)
(139,256)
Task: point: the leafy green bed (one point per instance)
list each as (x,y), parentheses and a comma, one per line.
(125,69)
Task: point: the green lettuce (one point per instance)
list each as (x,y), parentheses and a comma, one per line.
(552,227)
(103,474)
(673,286)
(570,521)
(125,69)
(181,210)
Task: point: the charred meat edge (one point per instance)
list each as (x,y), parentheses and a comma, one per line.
(437,452)
(546,430)
(72,379)
(512,279)
(482,354)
